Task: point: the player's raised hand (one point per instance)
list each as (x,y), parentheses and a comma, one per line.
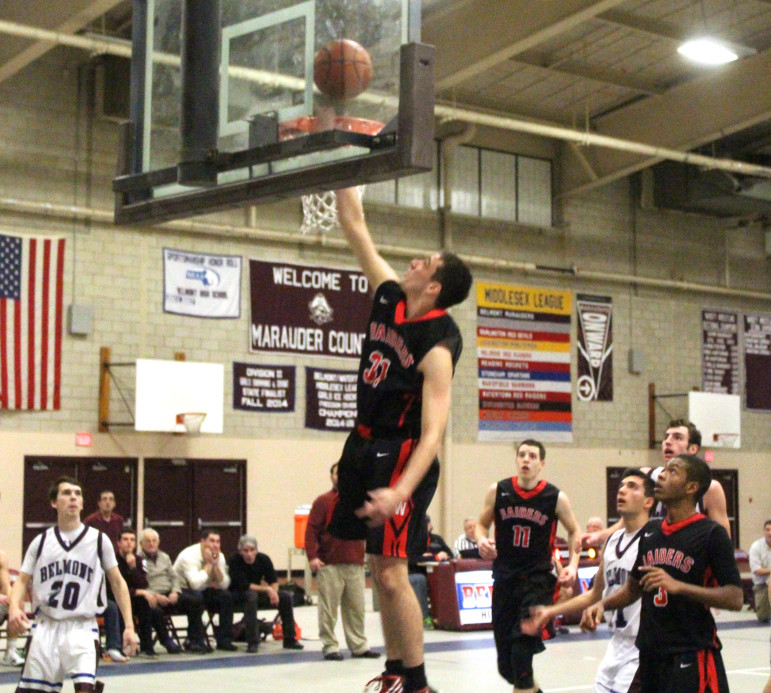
(591,617)
(533,625)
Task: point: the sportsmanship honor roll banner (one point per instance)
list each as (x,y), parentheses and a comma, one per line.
(205,286)
(523,360)
(595,348)
(299,309)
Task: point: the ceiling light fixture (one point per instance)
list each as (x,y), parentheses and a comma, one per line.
(707,51)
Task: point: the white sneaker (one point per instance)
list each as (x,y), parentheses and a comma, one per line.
(12,658)
(117,656)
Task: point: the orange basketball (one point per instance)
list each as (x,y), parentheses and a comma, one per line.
(342,69)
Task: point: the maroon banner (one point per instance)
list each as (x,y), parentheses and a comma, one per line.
(720,352)
(263,388)
(757,361)
(330,399)
(299,309)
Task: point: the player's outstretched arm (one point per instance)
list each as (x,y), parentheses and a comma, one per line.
(486,546)
(601,536)
(567,517)
(123,599)
(715,505)
(351,215)
(721,597)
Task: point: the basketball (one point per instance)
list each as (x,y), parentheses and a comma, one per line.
(342,69)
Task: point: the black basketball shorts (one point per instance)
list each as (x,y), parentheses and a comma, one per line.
(371,463)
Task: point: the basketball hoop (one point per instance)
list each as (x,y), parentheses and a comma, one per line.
(191,421)
(320,209)
(725,440)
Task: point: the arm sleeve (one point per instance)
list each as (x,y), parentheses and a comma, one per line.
(270,571)
(108,554)
(223,566)
(315,528)
(239,581)
(754,557)
(195,577)
(722,559)
(446,548)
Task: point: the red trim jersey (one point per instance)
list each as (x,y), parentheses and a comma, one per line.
(390,386)
(697,551)
(525,527)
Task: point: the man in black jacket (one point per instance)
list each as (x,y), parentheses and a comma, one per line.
(254,585)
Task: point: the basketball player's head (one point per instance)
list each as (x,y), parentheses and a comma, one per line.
(443,277)
(635,493)
(66,496)
(685,476)
(531,457)
(681,437)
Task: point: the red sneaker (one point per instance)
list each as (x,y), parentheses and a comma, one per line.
(385,683)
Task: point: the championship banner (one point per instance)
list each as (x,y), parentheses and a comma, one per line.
(299,309)
(330,399)
(720,352)
(263,388)
(523,360)
(757,362)
(595,348)
(201,285)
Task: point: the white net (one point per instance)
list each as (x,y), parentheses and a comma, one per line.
(320,212)
(191,421)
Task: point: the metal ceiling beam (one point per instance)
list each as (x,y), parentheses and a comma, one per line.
(612,78)
(690,115)
(73,23)
(491,31)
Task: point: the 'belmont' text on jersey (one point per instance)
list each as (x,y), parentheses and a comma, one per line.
(378,332)
(66,567)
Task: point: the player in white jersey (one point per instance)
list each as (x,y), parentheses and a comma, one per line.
(617,672)
(66,566)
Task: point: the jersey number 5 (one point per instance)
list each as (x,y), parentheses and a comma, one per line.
(661,598)
(69,596)
(377,372)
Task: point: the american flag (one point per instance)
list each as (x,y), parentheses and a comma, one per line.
(31,296)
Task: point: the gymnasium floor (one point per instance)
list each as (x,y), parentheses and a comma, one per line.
(456,663)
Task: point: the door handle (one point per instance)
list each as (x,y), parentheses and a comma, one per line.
(163,523)
(223,523)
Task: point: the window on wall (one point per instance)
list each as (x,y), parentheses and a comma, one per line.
(483,183)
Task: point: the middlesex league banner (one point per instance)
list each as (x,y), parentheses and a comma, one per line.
(595,348)
(523,359)
(298,309)
(206,286)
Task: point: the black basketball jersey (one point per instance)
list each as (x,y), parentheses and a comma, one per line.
(390,386)
(525,526)
(697,551)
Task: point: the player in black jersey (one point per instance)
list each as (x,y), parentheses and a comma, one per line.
(388,471)
(525,510)
(685,565)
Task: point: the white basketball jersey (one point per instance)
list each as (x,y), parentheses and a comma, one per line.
(68,579)
(618,557)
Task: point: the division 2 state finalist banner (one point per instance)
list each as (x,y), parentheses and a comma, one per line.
(299,309)
(595,348)
(523,359)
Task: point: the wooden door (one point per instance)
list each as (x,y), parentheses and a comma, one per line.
(729,480)
(109,474)
(184,496)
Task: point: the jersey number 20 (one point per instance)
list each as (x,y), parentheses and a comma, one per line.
(69,596)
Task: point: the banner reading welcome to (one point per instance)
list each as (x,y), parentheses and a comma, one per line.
(523,359)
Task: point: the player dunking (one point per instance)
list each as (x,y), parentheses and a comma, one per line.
(67,565)
(618,671)
(525,510)
(685,564)
(388,471)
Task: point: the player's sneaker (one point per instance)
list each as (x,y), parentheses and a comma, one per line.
(12,658)
(386,683)
(116,656)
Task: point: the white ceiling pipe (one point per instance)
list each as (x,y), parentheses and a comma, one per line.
(122,48)
(72,212)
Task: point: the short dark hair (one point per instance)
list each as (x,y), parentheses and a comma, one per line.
(648,484)
(694,434)
(331,469)
(107,490)
(536,444)
(208,531)
(766,523)
(127,531)
(455,277)
(696,469)
(53,491)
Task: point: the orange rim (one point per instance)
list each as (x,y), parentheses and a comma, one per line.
(308,124)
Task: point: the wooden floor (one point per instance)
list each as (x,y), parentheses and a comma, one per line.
(455,662)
